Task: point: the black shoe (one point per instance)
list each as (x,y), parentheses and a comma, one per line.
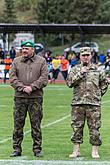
(15,153)
(38,154)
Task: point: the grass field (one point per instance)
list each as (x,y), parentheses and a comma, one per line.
(56,130)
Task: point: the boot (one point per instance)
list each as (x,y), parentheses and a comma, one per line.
(95,154)
(76,151)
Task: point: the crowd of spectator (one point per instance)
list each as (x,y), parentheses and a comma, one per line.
(63,63)
(57,63)
(6,58)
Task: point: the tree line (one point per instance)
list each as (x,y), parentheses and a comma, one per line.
(49,11)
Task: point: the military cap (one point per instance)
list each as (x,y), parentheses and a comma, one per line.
(85,50)
(27,44)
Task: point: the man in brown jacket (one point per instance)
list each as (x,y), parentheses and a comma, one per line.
(28,77)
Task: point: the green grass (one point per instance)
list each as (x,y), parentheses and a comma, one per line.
(56,137)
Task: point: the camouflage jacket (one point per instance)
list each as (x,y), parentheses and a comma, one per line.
(89,88)
(32,72)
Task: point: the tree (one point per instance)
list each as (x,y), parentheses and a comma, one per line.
(9,12)
(40,11)
(68,11)
(24,5)
(81,11)
(104,16)
(9,16)
(49,11)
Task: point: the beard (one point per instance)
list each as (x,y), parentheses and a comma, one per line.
(25,54)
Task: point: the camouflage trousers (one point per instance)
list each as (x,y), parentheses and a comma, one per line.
(34,108)
(92,114)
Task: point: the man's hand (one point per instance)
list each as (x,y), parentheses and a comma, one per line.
(27,89)
(84,70)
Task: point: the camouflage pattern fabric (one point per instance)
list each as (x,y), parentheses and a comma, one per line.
(88,88)
(79,114)
(34,108)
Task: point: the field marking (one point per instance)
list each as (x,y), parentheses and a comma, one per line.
(47,125)
(53,162)
(106,101)
(3,105)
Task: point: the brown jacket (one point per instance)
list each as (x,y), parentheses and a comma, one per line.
(29,72)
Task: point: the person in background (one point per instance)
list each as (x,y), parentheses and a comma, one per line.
(89,84)
(12,53)
(19,53)
(94,57)
(7,62)
(55,67)
(102,58)
(2,55)
(73,61)
(64,67)
(50,72)
(107,67)
(40,50)
(28,77)
(48,56)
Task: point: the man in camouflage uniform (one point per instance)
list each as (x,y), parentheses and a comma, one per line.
(28,76)
(90,85)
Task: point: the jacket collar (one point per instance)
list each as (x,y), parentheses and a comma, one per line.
(25,59)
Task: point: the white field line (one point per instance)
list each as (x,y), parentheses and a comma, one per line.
(106,101)
(52,162)
(47,125)
(3,105)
